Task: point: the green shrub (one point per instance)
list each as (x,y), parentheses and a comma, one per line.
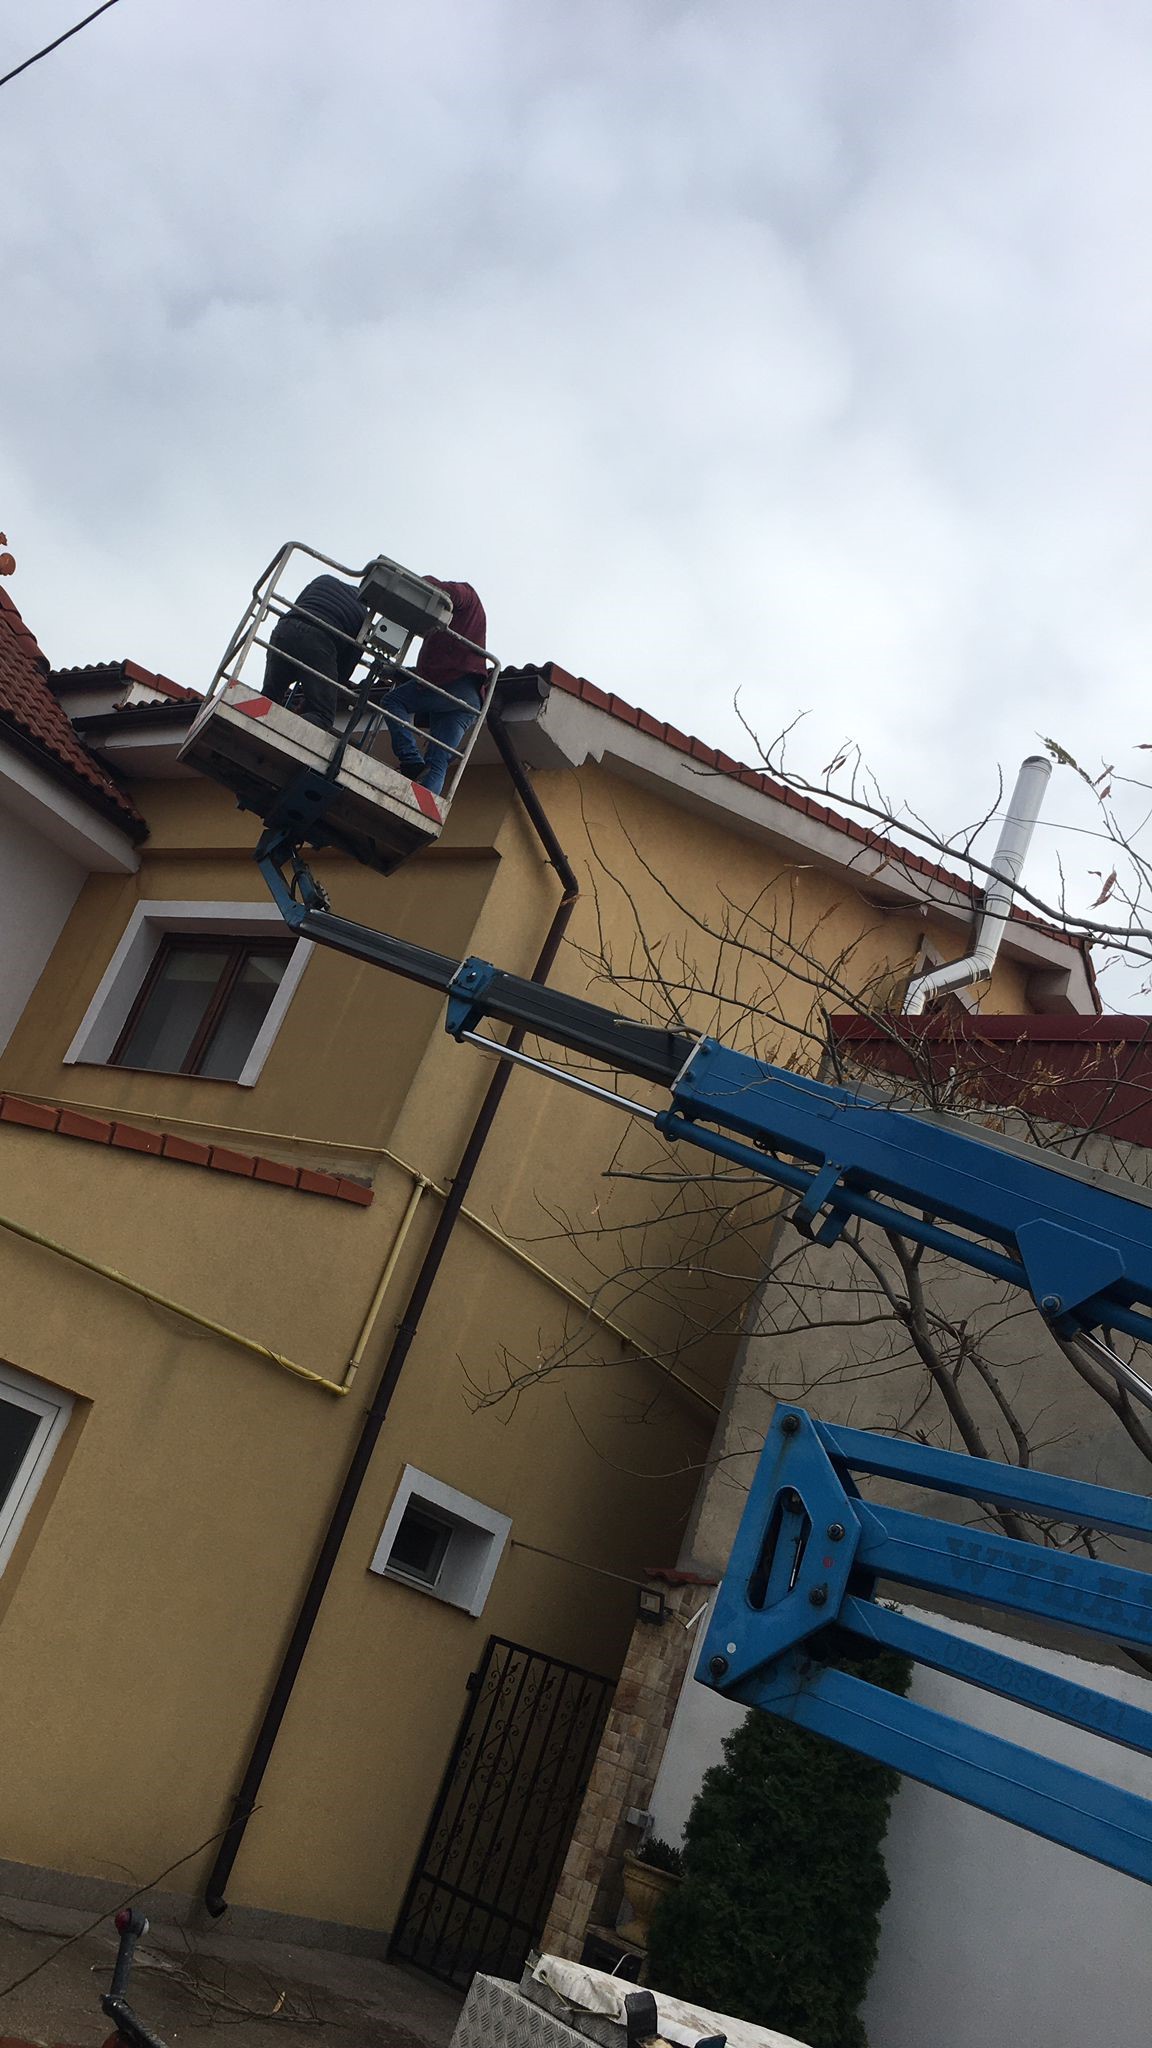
(661,1855)
(777,1919)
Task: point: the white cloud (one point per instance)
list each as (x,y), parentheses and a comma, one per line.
(797,347)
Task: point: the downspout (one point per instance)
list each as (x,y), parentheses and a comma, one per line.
(244,1803)
(1005,867)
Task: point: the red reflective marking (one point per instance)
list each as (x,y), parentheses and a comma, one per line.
(256,707)
(427,803)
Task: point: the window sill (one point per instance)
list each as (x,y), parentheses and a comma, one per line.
(164,1074)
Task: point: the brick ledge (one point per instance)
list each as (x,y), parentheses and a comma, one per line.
(70,1123)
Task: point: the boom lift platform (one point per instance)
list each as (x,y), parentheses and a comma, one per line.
(341,788)
(800,1590)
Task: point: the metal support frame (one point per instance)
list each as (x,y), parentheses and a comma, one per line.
(1079,1241)
(380,658)
(799,1593)
(561,1074)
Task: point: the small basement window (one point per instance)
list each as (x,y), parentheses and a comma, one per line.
(441,1541)
(201,1005)
(32,1421)
(420,1545)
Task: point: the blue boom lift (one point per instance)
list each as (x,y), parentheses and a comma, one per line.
(801,1587)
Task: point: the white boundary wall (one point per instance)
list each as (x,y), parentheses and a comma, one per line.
(991,1937)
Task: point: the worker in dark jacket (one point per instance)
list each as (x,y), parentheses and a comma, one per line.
(448,711)
(316,644)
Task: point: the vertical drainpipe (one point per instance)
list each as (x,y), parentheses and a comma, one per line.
(1005,868)
(244,1802)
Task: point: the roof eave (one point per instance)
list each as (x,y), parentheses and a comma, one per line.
(570,730)
(31,791)
(119,812)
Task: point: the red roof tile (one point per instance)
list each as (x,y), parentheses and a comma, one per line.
(97,675)
(29,711)
(1088,1073)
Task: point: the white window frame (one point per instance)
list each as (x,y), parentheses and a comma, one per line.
(474,1549)
(52,1407)
(150,922)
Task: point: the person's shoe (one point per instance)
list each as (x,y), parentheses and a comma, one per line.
(310,714)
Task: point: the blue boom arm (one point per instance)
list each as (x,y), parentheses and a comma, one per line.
(799,1593)
(1079,1242)
(800,1589)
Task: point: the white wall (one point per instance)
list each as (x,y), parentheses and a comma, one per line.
(991,1937)
(699,1725)
(39,883)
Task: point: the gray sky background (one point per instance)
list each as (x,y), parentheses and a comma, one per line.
(795,345)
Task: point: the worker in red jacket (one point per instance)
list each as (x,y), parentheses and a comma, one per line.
(445,702)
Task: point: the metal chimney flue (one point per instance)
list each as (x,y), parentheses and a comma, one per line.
(1006,865)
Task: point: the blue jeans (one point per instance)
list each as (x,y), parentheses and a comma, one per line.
(447,726)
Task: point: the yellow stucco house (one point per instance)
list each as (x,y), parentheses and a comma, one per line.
(344,1407)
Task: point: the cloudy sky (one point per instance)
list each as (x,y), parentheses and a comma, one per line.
(795,345)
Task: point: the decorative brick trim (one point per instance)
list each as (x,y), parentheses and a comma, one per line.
(73,1125)
(241,1163)
(132,1139)
(185,1149)
(13,1111)
(275,1171)
(69,1123)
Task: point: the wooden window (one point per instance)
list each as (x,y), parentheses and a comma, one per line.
(201,1005)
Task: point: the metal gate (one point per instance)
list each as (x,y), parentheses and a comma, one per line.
(503,1817)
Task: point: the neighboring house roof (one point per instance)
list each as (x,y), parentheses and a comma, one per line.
(116,685)
(33,720)
(1091,1073)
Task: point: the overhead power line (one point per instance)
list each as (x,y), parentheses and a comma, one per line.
(49,47)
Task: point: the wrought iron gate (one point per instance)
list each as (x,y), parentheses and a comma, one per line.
(503,1817)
